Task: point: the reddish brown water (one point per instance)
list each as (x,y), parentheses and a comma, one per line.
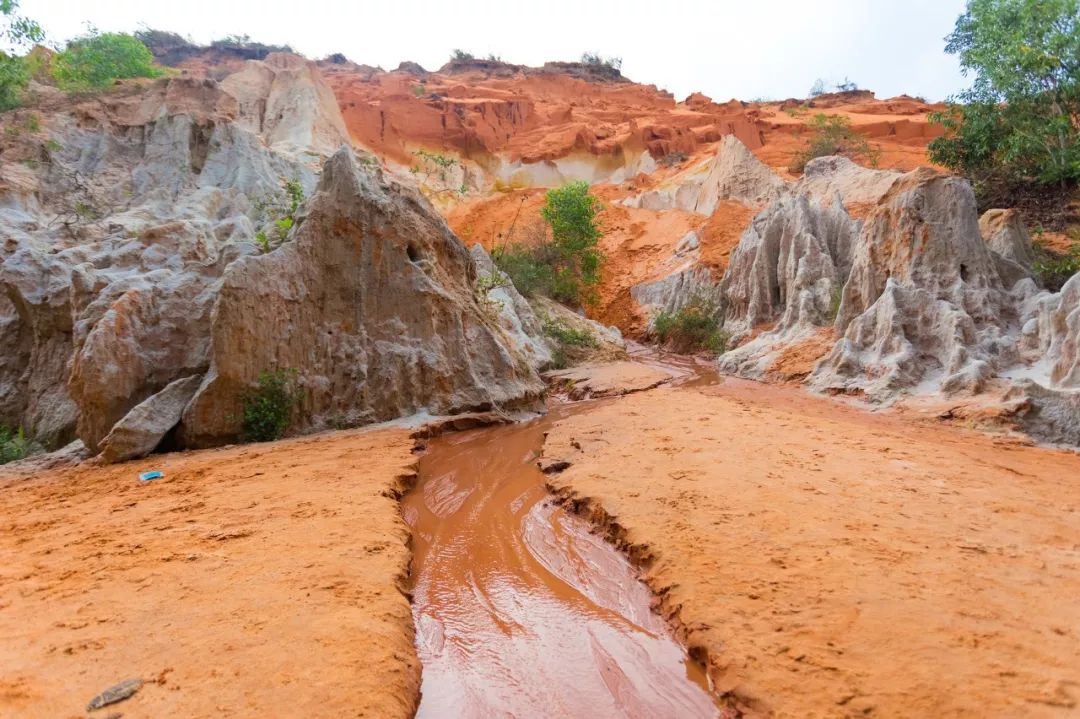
(520,610)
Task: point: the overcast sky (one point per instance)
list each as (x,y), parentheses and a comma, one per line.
(745,49)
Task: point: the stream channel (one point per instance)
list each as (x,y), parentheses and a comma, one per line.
(521,610)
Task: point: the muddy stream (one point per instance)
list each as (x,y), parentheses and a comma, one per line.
(520,609)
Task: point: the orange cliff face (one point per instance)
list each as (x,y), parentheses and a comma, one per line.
(525,115)
(481,110)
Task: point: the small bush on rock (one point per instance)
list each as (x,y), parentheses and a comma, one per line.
(694,327)
(1054,270)
(833,135)
(268,409)
(847,86)
(570,344)
(14,445)
(282,215)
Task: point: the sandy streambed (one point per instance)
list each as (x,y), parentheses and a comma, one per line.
(832,562)
(256,581)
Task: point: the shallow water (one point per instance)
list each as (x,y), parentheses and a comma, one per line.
(520,610)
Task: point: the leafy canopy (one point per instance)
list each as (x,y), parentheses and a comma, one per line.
(566,267)
(571,212)
(16,32)
(1019,122)
(95,60)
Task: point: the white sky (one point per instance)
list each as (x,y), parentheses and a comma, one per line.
(724,48)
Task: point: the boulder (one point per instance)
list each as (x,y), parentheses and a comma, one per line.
(858,187)
(142,429)
(676,290)
(115,246)
(788,266)
(786,275)
(1051,415)
(1008,239)
(130,266)
(682,278)
(1005,234)
(371,302)
(1050,338)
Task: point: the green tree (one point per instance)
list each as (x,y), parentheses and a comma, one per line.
(833,135)
(566,267)
(1020,120)
(571,212)
(16,32)
(95,60)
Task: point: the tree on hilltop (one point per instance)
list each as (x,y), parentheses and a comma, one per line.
(1019,122)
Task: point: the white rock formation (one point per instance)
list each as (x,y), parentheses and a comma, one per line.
(733,173)
(142,207)
(930,302)
(826,177)
(515,315)
(681,278)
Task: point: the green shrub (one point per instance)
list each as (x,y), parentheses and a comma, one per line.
(15,32)
(14,77)
(431,163)
(566,268)
(1054,270)
(571,345)
(461,55)
(268,409)
(694,327)
(566,335)
(1017,124)
(571,212)
(96,60)
(282,215)
(530,268)
(833,135)
(14,445)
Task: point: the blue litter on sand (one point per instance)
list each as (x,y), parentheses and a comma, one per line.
(147,476)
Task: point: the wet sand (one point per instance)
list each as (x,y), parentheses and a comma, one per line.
(520,609)
(832,562)
(256,581)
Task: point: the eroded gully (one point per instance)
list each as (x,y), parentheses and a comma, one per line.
(519,609)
